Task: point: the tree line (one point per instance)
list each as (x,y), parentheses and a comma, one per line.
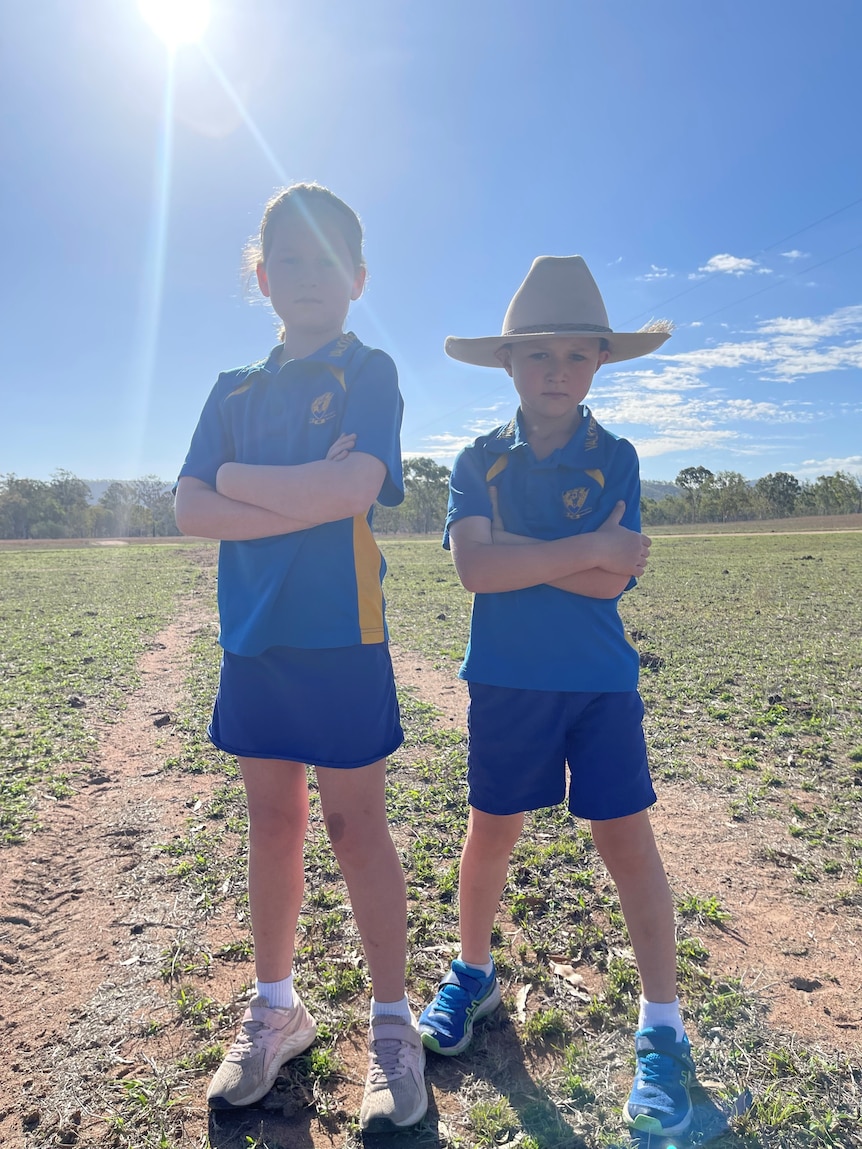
(728,497)
(63,507)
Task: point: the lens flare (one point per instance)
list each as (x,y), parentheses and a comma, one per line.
(176,21)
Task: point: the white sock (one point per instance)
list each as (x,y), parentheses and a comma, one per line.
(653,1013)
(279,994)
(487,967)
(393,1009)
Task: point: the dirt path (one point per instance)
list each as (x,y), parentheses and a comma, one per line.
(86,919)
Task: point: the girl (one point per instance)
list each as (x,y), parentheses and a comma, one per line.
(287,459)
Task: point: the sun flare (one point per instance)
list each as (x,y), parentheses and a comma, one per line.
(176,21)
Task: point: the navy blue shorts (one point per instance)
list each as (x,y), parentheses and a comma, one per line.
(334,707)
(522,740)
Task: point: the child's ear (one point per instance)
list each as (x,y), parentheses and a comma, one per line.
(603,358)
(358,283)
(504,354)
(262,281)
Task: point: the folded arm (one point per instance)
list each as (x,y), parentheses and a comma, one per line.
(593,583)
(320,492)
(200,510)
(487,565)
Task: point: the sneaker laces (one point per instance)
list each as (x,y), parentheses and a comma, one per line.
(659,1068)
(386,1061)
(246,1039)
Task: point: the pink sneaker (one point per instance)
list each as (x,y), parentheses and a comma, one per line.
(266,1039)
(395,1094)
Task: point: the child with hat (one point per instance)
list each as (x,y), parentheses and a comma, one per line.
(544,528)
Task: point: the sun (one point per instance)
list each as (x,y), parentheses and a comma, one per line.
(176,21)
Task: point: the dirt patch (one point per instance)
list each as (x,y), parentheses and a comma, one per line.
(85,916)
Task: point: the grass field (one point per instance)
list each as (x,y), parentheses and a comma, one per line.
(753,689)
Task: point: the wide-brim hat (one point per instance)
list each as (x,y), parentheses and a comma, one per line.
(559,297)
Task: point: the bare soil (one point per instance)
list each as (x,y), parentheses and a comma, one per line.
(87,916)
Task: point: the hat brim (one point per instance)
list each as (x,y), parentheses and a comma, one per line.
(623,345)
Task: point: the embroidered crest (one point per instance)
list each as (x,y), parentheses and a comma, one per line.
(592,439)
(321,408)
(574,500)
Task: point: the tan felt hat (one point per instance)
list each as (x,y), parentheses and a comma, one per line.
(559,297)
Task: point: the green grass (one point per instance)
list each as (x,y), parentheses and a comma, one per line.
(757,698)
(73,624)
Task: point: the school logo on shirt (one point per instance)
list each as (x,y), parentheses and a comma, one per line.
(574,500)
(321,409)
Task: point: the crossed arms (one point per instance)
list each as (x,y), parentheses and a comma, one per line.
(255,502)
(597,564)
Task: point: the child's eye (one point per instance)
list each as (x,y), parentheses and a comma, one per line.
(538,355)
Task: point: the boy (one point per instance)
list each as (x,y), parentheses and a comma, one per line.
(544,528)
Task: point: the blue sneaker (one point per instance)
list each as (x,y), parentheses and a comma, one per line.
(659,1102)
(465,994)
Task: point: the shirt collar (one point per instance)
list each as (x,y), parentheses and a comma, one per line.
(337,353)
(583,447)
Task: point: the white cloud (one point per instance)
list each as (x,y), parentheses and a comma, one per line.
(696,323)
(816,467)
(795,254)
(681,441)
(846,319)
(728,264)
(656,272)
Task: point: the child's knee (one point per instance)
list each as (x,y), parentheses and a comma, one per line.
(493,832)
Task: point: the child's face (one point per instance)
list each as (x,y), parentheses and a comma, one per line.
(552,375)
(309,276)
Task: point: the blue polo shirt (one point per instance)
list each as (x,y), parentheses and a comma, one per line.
(321,587)
(541,637)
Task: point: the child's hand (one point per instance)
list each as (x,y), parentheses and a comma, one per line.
(625,552)
(341,448)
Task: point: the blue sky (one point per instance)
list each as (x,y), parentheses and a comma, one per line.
(705,159)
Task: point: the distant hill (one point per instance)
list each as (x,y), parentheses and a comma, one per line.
(654,489)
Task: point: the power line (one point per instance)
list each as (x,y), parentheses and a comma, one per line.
(760,251)
(780,281)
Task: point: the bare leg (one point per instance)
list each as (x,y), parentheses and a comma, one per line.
(484,865)
(629,851)
(354,810)
(278,814)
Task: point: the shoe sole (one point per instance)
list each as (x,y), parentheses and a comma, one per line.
(305,1038)
(652,1125)
(488,1005)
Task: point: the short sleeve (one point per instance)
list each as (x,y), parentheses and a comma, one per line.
(212,442)
(373,413)
(624,483)
(468,491)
